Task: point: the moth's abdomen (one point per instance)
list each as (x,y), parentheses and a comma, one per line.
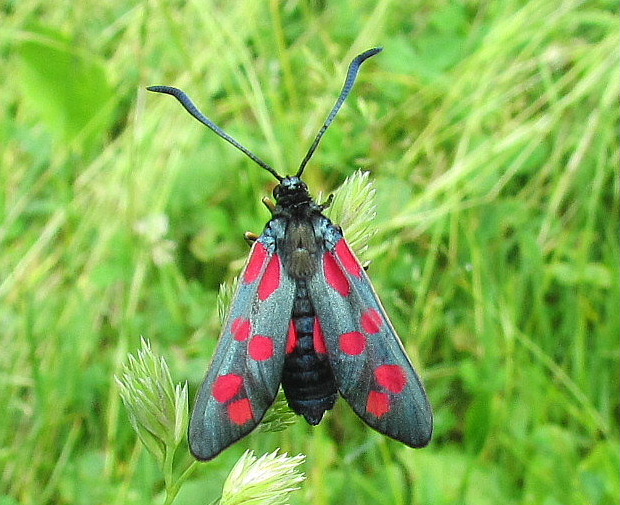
(307,377)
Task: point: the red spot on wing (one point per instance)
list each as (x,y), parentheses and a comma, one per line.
(226,387)
(261,348)
(241,329)
(353,343)
(240,412)
(272,278)
(348,259)
(372,321)
(291,343)
(378,403)
(335,276)
(392,377)
(318,337)
(257,262)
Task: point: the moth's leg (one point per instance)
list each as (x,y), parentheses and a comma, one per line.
(270,205)
(250,237)
(327,202)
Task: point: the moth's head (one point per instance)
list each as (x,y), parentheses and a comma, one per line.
(291,191)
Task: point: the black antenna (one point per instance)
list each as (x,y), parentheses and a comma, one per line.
(346,90)
(190,107)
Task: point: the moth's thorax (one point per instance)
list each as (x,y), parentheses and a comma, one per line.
(295,214)
(300,248)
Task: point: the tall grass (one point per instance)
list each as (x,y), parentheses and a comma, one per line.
(491,131)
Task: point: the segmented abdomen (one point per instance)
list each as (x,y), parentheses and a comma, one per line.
(307,378)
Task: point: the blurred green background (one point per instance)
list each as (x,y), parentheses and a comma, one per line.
(491,132)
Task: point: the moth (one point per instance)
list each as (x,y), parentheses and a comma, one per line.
(305,315)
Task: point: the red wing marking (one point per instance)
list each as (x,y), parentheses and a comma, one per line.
(319,337)
(261,348)
(335,276)
(372,321)
(256,263)
(348,259)
(240,412)
(226,387)
(392,377)
(291,342)
(353,343)
(241,329)
(272,278)
(378,403)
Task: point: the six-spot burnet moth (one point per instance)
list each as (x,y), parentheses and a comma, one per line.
(306,316)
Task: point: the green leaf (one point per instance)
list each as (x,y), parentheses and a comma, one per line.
(65,85)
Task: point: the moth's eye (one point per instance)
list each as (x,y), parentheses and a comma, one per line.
(276,191)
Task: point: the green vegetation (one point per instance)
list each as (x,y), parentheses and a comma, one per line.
(491,133)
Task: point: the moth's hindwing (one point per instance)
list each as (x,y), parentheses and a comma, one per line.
(371,368)
(245,374)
